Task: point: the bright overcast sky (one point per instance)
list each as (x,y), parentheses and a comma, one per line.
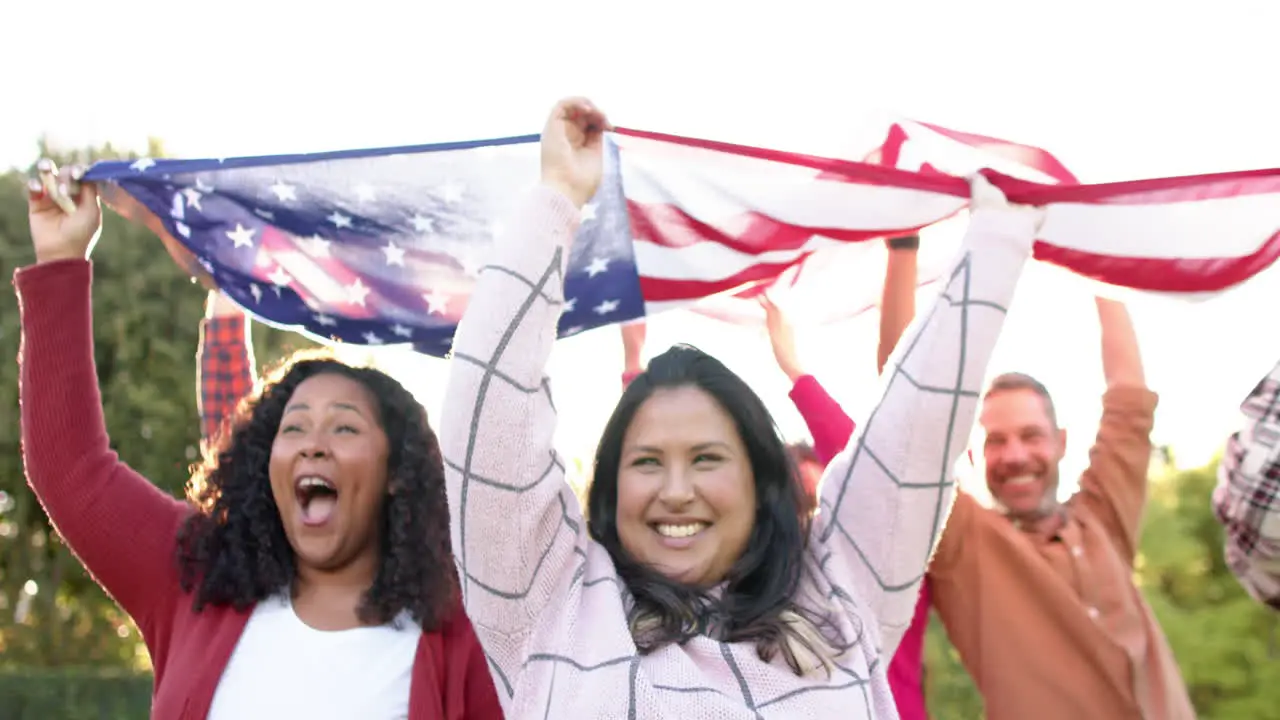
(1118,90)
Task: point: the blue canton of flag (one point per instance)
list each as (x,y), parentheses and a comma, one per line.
(373,247)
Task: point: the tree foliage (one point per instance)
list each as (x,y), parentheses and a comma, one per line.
(146,329)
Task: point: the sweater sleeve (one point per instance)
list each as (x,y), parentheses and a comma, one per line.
(515,521)
(830,427)
(1114,485)
(122,527)
(1246,499)
(886,497)
(225,366)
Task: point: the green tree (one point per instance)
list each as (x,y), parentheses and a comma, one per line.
(1223,639)
(949,691)
(146,330)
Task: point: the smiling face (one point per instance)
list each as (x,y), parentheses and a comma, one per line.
(686,491)
(1021,452)
(329,472)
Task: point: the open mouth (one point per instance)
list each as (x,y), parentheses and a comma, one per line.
(317,497)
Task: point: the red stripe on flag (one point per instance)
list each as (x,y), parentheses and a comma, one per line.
(655,289)
(1026,155)
(841,170)
(749,233)
(1157,191)
(1171,275)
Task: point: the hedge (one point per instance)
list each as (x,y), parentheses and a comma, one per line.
(74,694)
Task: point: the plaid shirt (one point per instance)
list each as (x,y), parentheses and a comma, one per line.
(1247,498)
(225,374)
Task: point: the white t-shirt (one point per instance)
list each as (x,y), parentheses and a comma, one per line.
(282,669)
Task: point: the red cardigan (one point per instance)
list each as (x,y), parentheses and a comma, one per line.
(123,528)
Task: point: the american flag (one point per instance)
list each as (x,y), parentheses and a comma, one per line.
(382,246)
(844,280)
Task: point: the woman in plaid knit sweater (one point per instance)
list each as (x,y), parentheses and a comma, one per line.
(694,587)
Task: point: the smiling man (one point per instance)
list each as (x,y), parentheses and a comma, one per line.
(1037,595)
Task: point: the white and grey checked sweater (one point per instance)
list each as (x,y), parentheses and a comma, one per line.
(545,599)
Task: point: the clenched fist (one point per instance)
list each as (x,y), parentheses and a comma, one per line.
(58,233)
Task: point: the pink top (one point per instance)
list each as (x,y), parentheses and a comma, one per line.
(546,600)
(831,429)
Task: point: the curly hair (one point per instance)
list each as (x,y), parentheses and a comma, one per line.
(232,551)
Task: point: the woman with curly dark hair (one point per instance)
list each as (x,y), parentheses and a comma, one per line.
(310,575)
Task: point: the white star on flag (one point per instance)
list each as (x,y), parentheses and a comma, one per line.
(357,292)
(315,246)
(597,266)
(280,277)
(284,192)
(437,302)
(241,236)
(394,253)
(423,224)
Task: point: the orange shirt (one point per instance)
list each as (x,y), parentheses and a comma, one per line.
(1055,628)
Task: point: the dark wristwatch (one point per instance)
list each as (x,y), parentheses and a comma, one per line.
(906,242)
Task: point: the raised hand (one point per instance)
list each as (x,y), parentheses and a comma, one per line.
(633,334)
(782,337)
(572,149)
(58,233)
(983,196)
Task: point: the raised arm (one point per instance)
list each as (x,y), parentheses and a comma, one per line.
(1247,498)
(117,523)
(515,521)
(829,425)
(885,498)
(1115,484)
(225,363)
(898,299)
(632,351)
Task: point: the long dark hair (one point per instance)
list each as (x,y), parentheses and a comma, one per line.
(233,549)
(758,602)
